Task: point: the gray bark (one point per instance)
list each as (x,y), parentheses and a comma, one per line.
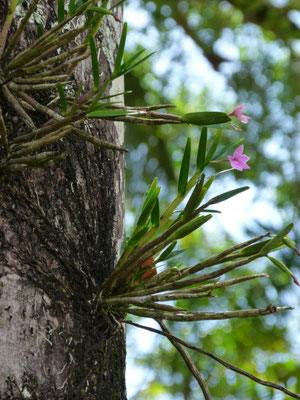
(60,233)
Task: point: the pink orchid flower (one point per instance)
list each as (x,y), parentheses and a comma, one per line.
(238,113)
(238,161)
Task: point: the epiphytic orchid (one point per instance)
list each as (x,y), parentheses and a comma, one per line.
(238,161)
(238,113)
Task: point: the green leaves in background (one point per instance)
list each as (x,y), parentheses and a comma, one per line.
(184,170)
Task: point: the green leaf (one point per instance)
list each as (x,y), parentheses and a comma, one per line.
(280,265)
(227,195)
(120,50)
(147,197)
(155,215)
(272,244)
(191,226)
(148,207)
(128,62)
(117,4)
(129,68)
(20,2)
(226,149)
(202,150)
(164,255)
(62,97)
(149,193)
(60,10)
(100,106)
(253,249)
(109,113)
(204,190)
(185,167)
(72,6)
(132,242)
(116,94)
(39,31)
(95,64)
(193,202)
(205,118)
(100,10)
(214,147)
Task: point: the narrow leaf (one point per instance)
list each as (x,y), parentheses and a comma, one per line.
(128,69)
(202,150)
(283,268)
(72,7)
(100,10)
(227,195)
(147,196)
(60,11)
(191,226)
(109,113)
(95,64)
(39,31)
(226,149)
(62,97)
(164,255)
(276,240)
(204,190)
(100,106)
(155,215)
(115,95)
(194,199)
(184,170)
(148,208)
(205,118)
(120,49)
(117,4)
(214,147)
(132,242)
(128,62)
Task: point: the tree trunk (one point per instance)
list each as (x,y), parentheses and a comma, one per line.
(60,234)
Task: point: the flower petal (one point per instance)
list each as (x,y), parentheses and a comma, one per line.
(239,151)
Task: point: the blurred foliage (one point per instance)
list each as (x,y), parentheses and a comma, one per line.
(212,55)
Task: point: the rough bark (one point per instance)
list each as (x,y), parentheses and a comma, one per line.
(60,235)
